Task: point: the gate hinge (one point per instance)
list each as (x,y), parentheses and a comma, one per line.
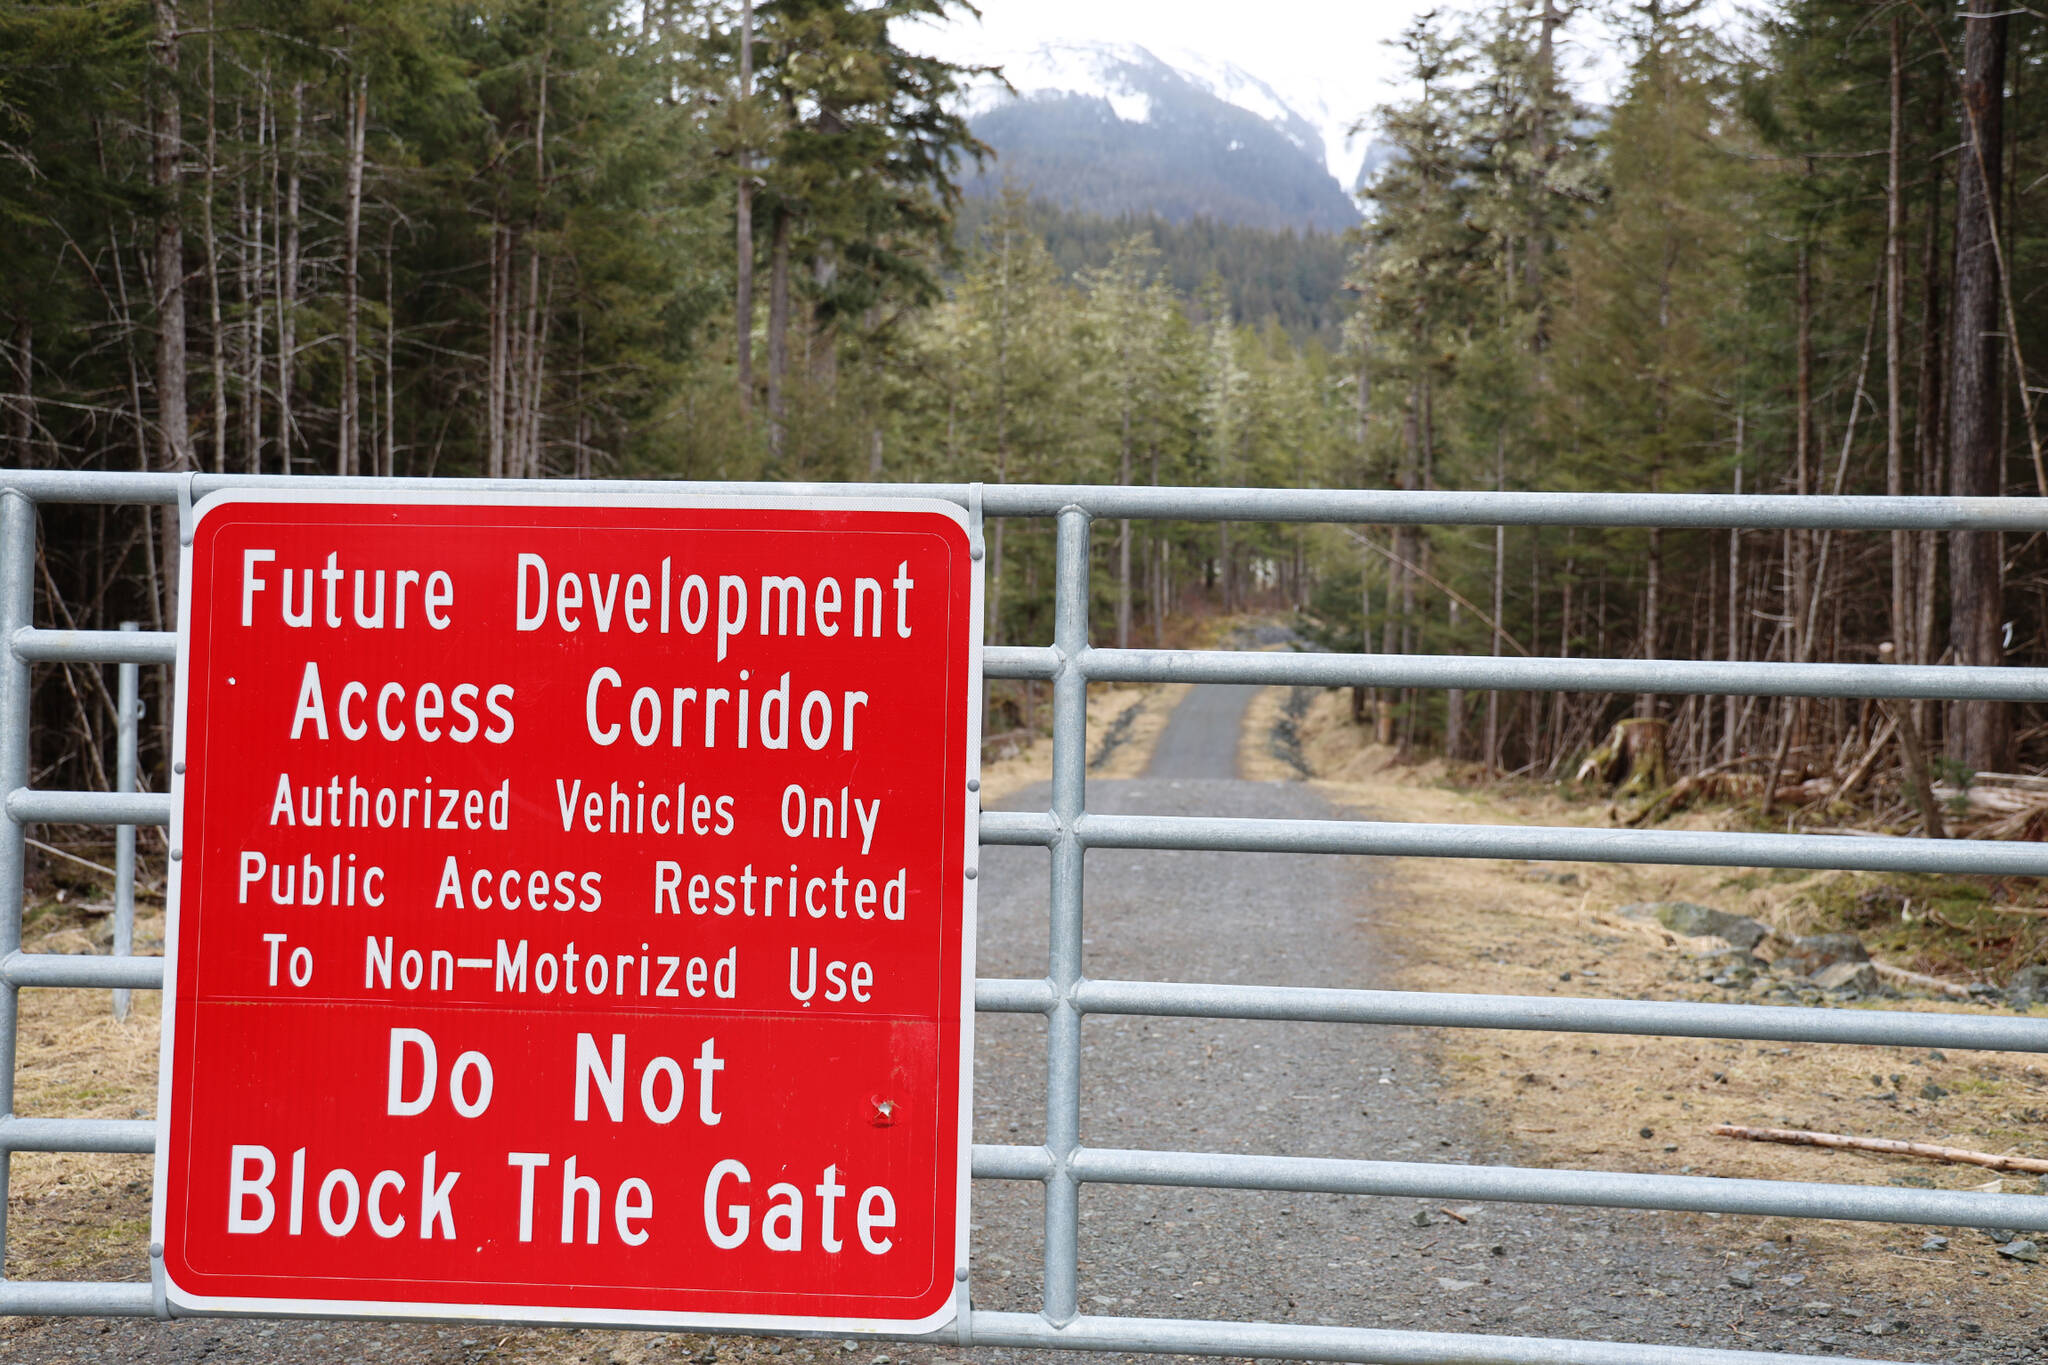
(159,1297)
(963,1312)
(185,507)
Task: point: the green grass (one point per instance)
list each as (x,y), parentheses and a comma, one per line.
(1945,925)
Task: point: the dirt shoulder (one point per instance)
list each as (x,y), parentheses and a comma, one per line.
(1647,1104)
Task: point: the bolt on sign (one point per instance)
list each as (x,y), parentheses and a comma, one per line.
(572,911)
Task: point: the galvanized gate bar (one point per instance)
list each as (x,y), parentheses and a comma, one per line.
(1562,843)
(1698,848)
(1063,1020)
(1019,661)
(32,807)
(17,610)
(96,646)
(78,1298)
(1696,511)
(1535,1013)
(133,1136)
(1481,673)
(1066,995)
(1026,829)
(87,970)
(128,734)
(1371,1346)
(1519,1185)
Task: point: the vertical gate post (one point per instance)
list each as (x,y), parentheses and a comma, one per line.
(1063,1024)
(127,723)
(17,612)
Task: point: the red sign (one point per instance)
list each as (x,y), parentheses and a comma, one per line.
(571,916)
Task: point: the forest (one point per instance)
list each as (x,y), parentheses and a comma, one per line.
(716,239)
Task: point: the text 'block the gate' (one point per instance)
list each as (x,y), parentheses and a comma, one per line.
(571,915)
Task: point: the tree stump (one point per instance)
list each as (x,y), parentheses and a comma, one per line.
(1632,762)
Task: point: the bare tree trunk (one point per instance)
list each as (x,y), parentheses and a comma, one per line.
(743,222)
(174,432)
(536,378)
(494,403)
(778,329)
(249,222)
(1401,574)
(1548,19)
(358,111)
(1500,585)
(1123,533)
(390,460)
(536,307)
(582,411)
(1163,549)
(515,359)
(1980,733)
(1361,431)
(1798,543)
(1928,413)
(994,590)
(21,412)
(217,341)
(288,286)
(1802,456)
(1569,581)
(1454,703)
(1223,554)
(1731,722)
(1653,592)
(1895,340)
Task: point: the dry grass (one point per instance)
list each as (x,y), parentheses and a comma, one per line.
(1123,725)
(82,1214)
(1646,1104)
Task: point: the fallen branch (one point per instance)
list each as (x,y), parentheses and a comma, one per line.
(1920,979)
(2025,782)
(1862,770)
(1802,1137)
(69,857)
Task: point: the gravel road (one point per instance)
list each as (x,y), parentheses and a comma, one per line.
(1200,741)
(1304,1089)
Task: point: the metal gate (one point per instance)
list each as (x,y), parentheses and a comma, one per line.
(1068,829)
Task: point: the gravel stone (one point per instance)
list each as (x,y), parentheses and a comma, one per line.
(2028,987)
(1849,978)
(1700,921)
(1810,954)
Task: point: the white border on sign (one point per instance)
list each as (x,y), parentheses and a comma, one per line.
(236,1306)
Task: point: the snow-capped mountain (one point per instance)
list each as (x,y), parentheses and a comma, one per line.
(1305,116)
(1117,128)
